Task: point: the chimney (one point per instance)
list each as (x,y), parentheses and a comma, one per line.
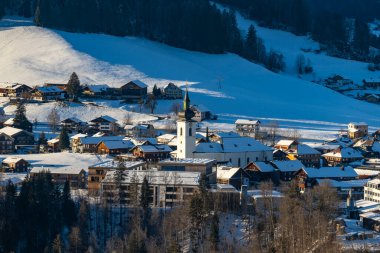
(207,139)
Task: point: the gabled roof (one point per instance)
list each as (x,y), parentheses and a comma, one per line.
(330,172)
(243,144)
(143,141)
(9,122)
(12,160)
(11,131)
(199,108)
(247,122)
(72,119)
(285,142)
(62,170)
(288,166)
(209,147)
(139,83)
(96,140)
(344,153)
(303,149)
(118,144)
(264,166)
(230,134)
(226,172)
(343,184)
(97,87)
(167,137)
(49,89)
(104,118)
(154,148)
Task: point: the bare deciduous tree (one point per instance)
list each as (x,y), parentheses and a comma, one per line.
(53,119)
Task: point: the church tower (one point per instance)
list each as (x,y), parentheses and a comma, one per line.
(185,130)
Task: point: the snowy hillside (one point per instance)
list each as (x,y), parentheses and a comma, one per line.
(35,55)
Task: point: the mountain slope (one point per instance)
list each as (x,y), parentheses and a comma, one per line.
(35,55)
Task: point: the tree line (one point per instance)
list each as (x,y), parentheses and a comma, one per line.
(340,26)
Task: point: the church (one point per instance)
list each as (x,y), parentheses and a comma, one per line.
(229,148)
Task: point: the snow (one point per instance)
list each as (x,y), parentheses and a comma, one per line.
(287,166)
(344,153)
(12,160)
(34,55)
(226,173)
(330,172)
(15,178)
(64,170)
(187,161)
(10,131)
(264,167)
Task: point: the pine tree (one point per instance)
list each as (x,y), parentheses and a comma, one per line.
(42,139)
(20,120)
(119,178)
(156,91)
(64,140)
(73,87)
(250,47)
(69,210)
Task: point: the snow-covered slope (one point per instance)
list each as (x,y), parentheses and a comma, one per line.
(35,55)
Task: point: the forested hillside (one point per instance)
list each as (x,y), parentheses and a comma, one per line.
(340,26)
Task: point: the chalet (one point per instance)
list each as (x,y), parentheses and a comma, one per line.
(73,124)
(140,130)
(307,177)
(14,164)
(372,83)
(261,171)
(43,94)
(236,177)
(247,127)
(152,153)
(53,145)
(134,90)
(95,90)
(114,147)
(75,176)
(343,140)
(13,89)
(284,145)
(167,188)
(172,91)
(20,137)
(357,130)
(368,147)
(97,172)
(7,144)
(143,141)
(187,164)
(307,155)
(104,124)
(343,188)
(371,220)
(201,113)
(372,190)
(87,144)
(342,156)
(323,148)
(166,138)
(288,169)
(279,155)
(61,86)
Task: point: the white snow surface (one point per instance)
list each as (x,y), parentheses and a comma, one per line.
(34,55)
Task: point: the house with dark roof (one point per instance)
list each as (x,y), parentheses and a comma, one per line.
(152,153)
(43,94)
(13,89)
(309,156)
(172,91)
(73,124)
(262,171)
(140,131)
(134,90)
(342,156)
(105,124)
(95,90)
(87,144)
(20,137)
(287,169)
(14,164)
(114,147)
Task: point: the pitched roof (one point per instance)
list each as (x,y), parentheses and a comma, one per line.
(288,166)
(208,147)
(105,117)
(343,184)
(95,140)
(330,172)
(45,89)
(97,87)
(155,148)
(10,131)
(12,159)
(303,149)
(247,122)
(264,167)
(243,144)
(226,172)
(140,83)
(61,170)
(285,142)
(73,119)
(344,153)
(118,144)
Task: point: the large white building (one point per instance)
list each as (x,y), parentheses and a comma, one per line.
(229,148)
(372,190)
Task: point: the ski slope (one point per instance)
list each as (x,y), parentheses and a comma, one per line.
(34,55)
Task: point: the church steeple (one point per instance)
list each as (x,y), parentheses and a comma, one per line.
(187,114)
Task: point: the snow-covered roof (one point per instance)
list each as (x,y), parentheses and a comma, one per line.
(158,177)
(343,184)
(229,134)
(358,123)
(289,166)
(140,83)
(105,117)
(330,172)
(256,194)
(60,170)
(264,167)
(12,86)
(9,122)
(365,206)
(10,131)
(243,144)
(155,148)
(225,187)
(375,181)
(247,122)
(203,161)
(303,149)
(76,120)
(200,108)
(322,146)
(118,144)
(15,178)
(112,164)
(167,137)
(371,215)
(12,159)
(142,141)
(78,136)
(95,140)
(364,172)
(209,147)
(49,89)
(344,153)
(226,172)
(97,87)
(53,141)
(284,143)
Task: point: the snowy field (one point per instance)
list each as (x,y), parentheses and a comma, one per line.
(33,55)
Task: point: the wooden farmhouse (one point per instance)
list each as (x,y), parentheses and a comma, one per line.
(172,91)
(152,153)
(115,147)
(14,164)
(134,90)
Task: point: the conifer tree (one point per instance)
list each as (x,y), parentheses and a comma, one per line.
(64,140)
(119,178)
(20,120)
(42,139)
(73,87)
(214,233)
(144,202)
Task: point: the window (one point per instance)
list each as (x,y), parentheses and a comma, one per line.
(190,132)
(239,162)
(180,131)
(247,160)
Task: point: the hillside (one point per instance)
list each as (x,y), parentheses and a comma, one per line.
(33,55)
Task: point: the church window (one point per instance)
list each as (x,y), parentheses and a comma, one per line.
(190,132)
(180,131)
